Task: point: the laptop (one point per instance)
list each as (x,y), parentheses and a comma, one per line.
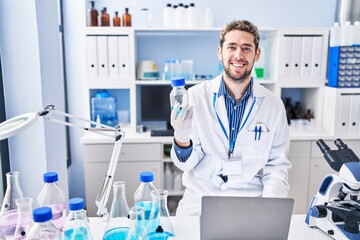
(248,218)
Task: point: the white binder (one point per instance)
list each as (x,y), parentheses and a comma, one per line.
(344,108)
(306,56)
(124,58)
(113,56)
(102,56)
(316,64)
(286,64)
(354,115)
(296,56)
(91,51)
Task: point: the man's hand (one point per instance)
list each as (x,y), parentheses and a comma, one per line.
(181,122)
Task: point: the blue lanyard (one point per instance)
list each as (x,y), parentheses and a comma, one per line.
(232,143)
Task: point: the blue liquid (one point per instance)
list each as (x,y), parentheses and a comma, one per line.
(178,112)
(119,233)
(154,221)
(159,236)
(80,233)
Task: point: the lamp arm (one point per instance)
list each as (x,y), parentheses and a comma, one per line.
(49,113)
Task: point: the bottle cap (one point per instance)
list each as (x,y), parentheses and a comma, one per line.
(50,177)
(76,204)
(146,177)
(42,214)
(179,81)
(102,94)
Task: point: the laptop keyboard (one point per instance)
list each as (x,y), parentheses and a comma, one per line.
(162,133)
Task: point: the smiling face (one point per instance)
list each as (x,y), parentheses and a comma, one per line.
(238,54)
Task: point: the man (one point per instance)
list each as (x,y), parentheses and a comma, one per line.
(233,138)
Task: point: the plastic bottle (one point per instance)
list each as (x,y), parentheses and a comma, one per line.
(168,14)
(77,224)
(104,105)
(9,209)
(25,220)
(178,93)
(92,15)
(43,228)
(117,227)
(54,197)
(126,18)
(116,20)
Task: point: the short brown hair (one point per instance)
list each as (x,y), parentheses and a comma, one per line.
(241,25)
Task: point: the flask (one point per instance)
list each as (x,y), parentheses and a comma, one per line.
(2,237)
(142,195)
(54,197)
(43,228)
(104,106)
(24,221)
(9,208)
(105,18)
(92,15)
(116,20)
(159,225)
(117,227)
(77,224)
(178,93)
(126,17)
(168,16)
(137,225)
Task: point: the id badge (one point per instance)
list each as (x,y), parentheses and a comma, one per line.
(232,167)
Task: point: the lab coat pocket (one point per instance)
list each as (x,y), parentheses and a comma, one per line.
(258,143)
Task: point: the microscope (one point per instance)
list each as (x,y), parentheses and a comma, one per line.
(335,208)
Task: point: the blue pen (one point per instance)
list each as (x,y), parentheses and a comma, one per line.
(255,131)
(259,133)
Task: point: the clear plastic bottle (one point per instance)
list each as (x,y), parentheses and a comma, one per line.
(43,228)
(9,209)
(117,227)
(54,197)
(24,221)
(104,106)
(77,224)
(178,93)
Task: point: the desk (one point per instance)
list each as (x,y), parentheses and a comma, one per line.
(188,228)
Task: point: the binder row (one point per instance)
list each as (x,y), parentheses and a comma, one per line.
(302,56)
(349,114)
(344,66)
(108,56)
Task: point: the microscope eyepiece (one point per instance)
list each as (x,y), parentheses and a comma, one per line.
(340,144)
(322,145)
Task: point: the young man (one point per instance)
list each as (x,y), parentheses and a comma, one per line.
(233,138)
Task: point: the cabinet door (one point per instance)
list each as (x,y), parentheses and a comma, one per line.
(298,176)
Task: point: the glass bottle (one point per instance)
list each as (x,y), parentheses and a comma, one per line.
(24,221)
(118,224)
(137,224)
(77,224)
(92,15)
(159,226)
(178,93)
(43,228)
(116,20)
(9,209)
(126,18)
(2,237)
(105,18)
(54,197)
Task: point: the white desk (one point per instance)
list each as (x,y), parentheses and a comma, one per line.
(188,228)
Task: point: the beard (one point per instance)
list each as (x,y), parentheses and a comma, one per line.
(239,79)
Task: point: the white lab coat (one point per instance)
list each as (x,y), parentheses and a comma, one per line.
(264,162)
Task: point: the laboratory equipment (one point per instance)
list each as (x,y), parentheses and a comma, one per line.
(116,20)
(147,70)
(24,220)
(137,225)
(103,105)
(77,224)
(126,18)
(335,208)
(117,227)
(54,197)
(9,209)
(92,15)
(17,124)
(178,93)
(159,226)
(43,228)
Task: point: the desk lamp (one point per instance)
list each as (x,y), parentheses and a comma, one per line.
(17,124)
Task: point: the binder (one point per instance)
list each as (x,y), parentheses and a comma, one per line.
(113,56)
(102,56)
(91,52)
(306,56)
(344,108)
(286,65)
(124,58)
(354,115)
(296,56)
(316,64)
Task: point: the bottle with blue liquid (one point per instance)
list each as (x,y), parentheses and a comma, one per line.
(103,106)
(118,224)
(77,224)
(178,93)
